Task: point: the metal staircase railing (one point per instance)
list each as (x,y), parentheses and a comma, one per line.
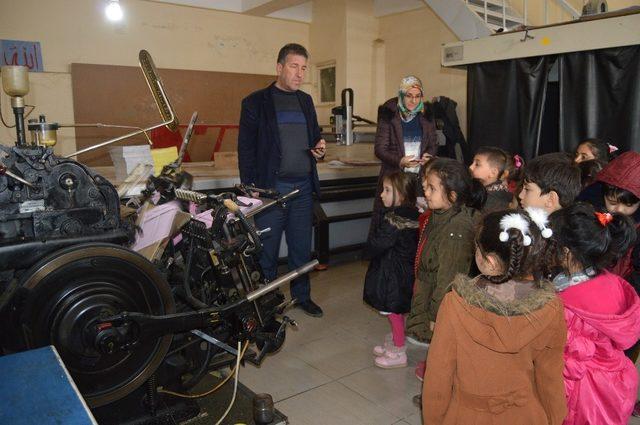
(499,15)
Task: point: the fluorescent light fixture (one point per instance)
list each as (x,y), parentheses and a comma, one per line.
(113,10)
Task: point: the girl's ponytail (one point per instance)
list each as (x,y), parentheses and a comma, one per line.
(622,236)
(477,195)
(596,240)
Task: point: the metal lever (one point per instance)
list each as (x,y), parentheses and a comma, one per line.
(212,340)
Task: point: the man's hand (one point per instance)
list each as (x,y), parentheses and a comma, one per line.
(319,150)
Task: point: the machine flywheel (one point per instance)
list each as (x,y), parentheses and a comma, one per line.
(70,290)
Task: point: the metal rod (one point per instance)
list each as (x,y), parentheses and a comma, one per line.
(212,340)
(135,133)
(101,125)
(504,16)
(485,11)
(20,133)
(3,170)
(568,8)
(525,5)
(282,280)
(269,203)
(348,139)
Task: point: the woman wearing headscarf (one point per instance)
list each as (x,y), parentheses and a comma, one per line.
(405,137)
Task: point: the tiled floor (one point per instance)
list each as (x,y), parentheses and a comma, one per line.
(324,373)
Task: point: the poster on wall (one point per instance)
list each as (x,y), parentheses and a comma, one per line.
(25,53)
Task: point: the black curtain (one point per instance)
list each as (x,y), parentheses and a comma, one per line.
(505,104)
(549,137)
(600,97)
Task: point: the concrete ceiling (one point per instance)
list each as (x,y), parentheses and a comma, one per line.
(295,10)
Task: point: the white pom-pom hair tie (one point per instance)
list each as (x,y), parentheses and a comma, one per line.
(541,218)
(515,221)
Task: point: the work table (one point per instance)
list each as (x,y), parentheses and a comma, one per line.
(358,161)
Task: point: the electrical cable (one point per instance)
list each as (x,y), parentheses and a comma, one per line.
(235,387)
(211,391)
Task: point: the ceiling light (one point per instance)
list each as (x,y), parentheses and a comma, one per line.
(113,10)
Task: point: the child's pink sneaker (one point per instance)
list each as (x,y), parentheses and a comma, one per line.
(394,357)
(420,368)
(379,350)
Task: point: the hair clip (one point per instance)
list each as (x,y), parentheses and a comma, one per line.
(517,161)
(604,218)
(612,148)
(541,219)
(515,221)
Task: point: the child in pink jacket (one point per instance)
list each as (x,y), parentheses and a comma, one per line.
(602,311)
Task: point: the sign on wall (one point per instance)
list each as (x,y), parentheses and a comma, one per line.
(25,53)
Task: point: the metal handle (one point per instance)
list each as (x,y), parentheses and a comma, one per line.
(126,136)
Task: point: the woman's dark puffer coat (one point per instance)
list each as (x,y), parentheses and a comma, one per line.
(388,285)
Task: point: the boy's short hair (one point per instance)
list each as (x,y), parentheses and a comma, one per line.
(291,49)
(496,157)
(555,172)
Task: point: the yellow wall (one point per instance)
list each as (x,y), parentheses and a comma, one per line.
(412,43)
(176,36)
(50,92)
(362,31)
(345,32)
(371,54)
(327,43)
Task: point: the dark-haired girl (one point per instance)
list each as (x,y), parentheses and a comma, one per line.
(389,279)
(496,353)
(595,149)
(602,312)
(453,197)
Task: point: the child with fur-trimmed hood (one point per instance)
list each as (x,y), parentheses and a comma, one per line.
(389,279)
(496,352)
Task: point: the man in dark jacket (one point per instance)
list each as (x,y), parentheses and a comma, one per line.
(278,146)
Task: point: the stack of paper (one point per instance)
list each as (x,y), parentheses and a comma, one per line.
(126,158)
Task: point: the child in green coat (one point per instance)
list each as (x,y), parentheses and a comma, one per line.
(453,197)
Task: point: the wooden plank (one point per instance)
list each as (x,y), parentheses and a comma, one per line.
(119,95)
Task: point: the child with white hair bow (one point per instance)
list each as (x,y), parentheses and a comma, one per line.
(496,353)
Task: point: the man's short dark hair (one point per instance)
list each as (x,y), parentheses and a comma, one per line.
(292,49)
(555,172)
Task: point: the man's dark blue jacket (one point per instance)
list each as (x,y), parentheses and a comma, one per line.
(259,150)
